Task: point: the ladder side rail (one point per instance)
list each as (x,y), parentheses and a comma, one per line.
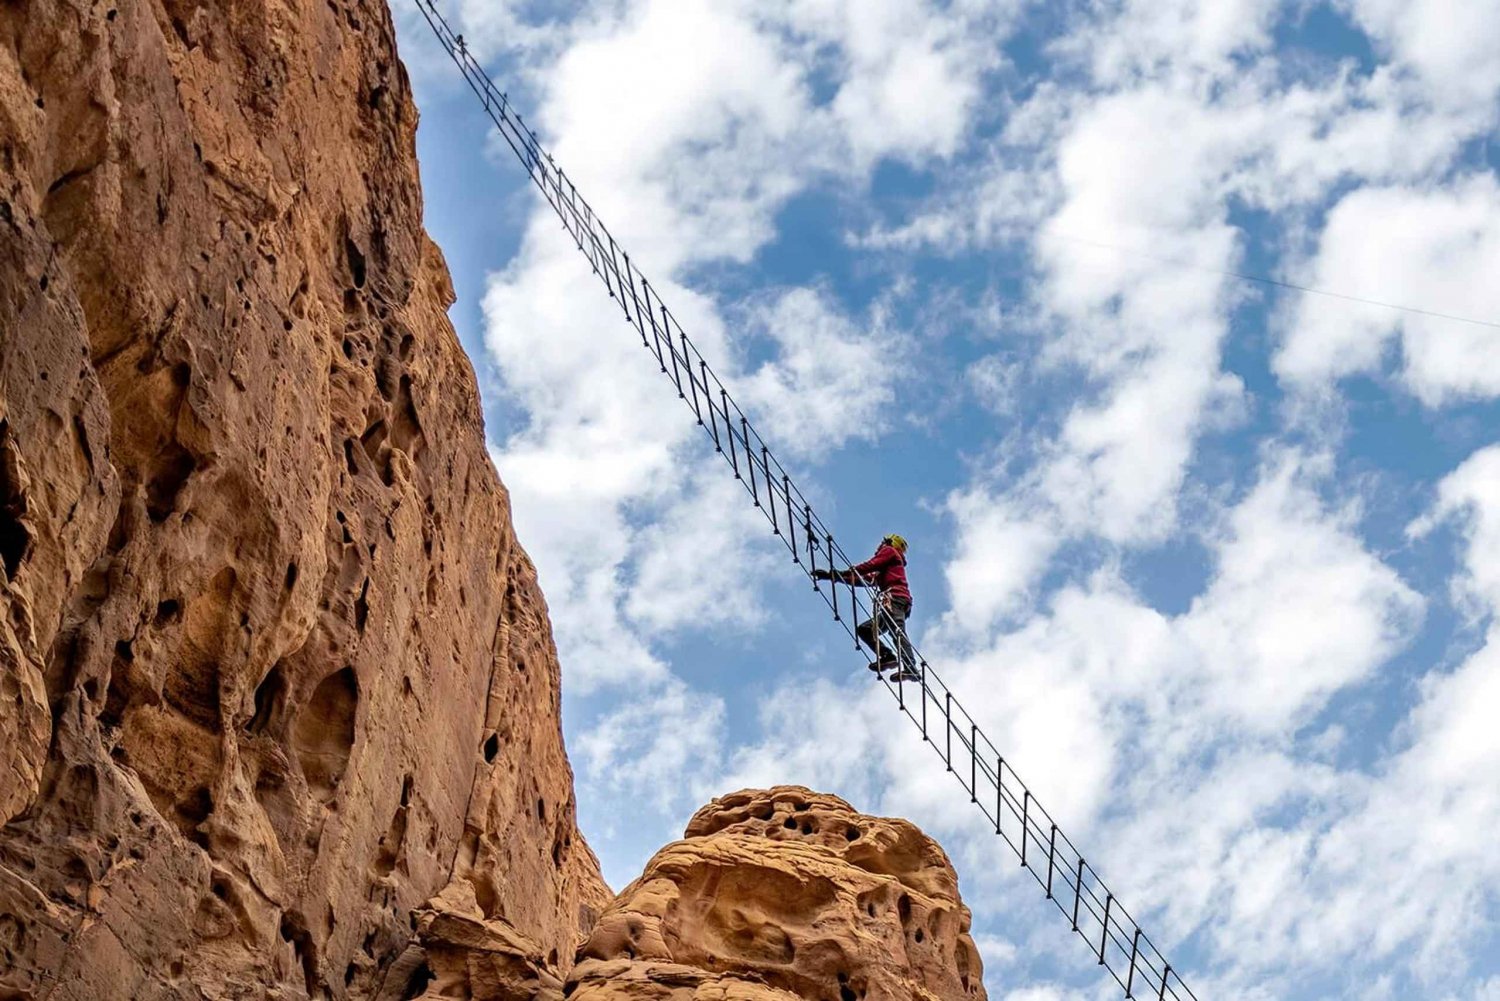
(1092,921)
(1147,966)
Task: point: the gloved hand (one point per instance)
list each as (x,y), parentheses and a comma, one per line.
(822,574)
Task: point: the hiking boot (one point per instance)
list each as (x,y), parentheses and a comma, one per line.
(907,674)
(881,665)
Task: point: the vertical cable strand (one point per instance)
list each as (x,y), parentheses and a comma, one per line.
(765,464)
(712,419)
(749,458)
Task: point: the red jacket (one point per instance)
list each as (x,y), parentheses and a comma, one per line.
(887,571)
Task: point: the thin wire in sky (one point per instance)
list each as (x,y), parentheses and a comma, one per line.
(1278,283)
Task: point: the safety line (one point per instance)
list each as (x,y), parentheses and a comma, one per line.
(1247,276)
(1018,819)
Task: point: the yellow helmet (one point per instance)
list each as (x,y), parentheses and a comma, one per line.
(898,541)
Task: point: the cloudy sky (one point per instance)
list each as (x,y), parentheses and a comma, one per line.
(1216,563)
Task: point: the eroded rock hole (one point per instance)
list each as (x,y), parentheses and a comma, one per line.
(406,426)
(790,823)
(170,470)
(356,262)
(423,976)
(324,734)
(851,834)
(491,748)
(118,696)
(270,702)
(192,684)
(15,538)
(168,612)
(291,576)
(387,371)
(392,843)
(920,935)
(372,439)
(191,813)
(294,930)
(362,607)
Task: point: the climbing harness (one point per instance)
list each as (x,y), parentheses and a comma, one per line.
(1116,940)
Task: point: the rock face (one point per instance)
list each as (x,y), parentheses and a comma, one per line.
(781,894)
(273,668)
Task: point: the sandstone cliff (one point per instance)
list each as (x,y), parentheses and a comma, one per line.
(782,894)
(273,668)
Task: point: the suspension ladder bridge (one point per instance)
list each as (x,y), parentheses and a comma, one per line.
(1114,938)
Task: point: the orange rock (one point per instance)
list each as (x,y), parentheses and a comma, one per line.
(786,893)
(274,670)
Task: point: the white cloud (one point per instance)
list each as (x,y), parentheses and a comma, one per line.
(1452,45)
(654,750)
(700,562)
(1288,571)
(1000,552)
(832,379)
(911,70)
(686,123)
(1435,249)
(817,734)
(1181,40)
(1471,495)
(1044,992)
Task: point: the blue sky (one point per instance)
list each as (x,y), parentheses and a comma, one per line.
(1216,564)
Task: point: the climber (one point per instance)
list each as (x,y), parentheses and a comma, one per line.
(885,571)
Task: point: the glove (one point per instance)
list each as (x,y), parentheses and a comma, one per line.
(821,574)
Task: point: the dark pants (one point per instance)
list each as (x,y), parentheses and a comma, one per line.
(891,618)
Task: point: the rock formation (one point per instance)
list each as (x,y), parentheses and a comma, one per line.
(273,669)
(781,894)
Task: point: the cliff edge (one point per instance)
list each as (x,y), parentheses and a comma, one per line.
(274,670)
